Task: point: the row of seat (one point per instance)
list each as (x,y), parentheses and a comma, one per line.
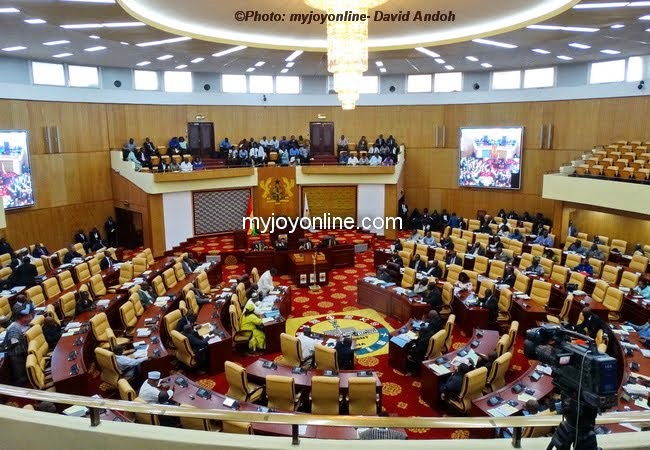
(626,173)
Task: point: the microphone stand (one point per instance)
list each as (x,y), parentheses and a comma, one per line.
(314,287)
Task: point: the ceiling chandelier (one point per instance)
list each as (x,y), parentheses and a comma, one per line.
(347,45)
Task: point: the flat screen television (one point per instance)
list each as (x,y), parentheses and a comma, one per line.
(15,171)
(490,157)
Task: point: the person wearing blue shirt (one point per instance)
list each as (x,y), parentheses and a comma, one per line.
(224,146)
(536,267)
(643,289)
(428,239)
(643,330)
(294,152)
(578,248)
(173,143)
(544,239)
(284,157)
(454,222)
(517,235)
(585,267)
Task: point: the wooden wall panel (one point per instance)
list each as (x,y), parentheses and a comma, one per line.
(338,201)
(633,229)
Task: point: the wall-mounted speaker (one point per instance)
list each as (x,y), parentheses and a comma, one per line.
(117,83)
(641,85)
(392,88)
(207,87)
(476,86)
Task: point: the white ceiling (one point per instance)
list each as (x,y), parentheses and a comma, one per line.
(631,40)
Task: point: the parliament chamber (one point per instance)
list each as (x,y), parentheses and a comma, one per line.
(316,234)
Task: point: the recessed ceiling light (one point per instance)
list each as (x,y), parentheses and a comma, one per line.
(91,1)
(647,17)
(559,28)
(260,63)
(81,26)
(284,70)
(617,26)
(494,43)
(95,49)
(13,49)
(124,43)
(449,67)
(35,21)
(486,65)
(182,66)
(471,58)
(566,58)
(123,24)
(293,56)
(164,41)
(580,46)
(197,60)
(164,57)
(541,51)
(382,69)
(228,51)
(601,5)
(56,42)
(143,63)
(250,69)
(427,52)
(610,52)
(379,64)
(61,55)
(440,60)
(291,64)
(9,10)
(644,3)
(94,36)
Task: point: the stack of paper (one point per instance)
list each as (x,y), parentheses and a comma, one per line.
(76,411)
(523,397)
(268,319)
(544,369)
(503,410)
(438,369)
(645,352)
(140,353)
(635,389)
(641,403)
(103,303)
(143,332)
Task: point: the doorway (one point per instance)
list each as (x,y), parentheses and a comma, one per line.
(321,135)
(130,230)
(200,136)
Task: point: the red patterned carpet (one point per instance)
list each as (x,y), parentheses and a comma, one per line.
(400,392)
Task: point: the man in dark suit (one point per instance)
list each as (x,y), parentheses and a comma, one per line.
(281,244)
(110,227)
(420,345)
(187,319)
(433,269)
(72,254)
(380,141)
(198,344)
(591,323)
(259,246)
(345,354)
(5,247)
(509,276)
(306,244)
(25,274)
(417,264)
(107,261)
(39,250)
(433,296)
(453,385)
(81,238)
(453,259)
(396,259)
(477,250)
(491,302)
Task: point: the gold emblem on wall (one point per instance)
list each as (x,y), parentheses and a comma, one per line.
(277,190)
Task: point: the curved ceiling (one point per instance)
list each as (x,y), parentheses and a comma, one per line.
(287,24)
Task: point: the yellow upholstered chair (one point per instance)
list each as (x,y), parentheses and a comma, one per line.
(497,269)
(599,291)
(147,252)
(51,288)
(481,264)
(619,245)
(639,264)
(505,302)
(171,319)
(614,302)
(50,311)
(362,396)
(436,344)
(97,287)
(610,274)
(547,264)
(629,279)
(291,351)
(325,358)
(107,363)
(560,274)
(441,254)
(537,250)
(192,423)
(40,267)
(35,294)
(5,273)
(65,280)
(578,279)
(408,279)
(134,299)
(281,393)
(240,338)
(447,298)
(94,267)
(238,386)
(255,275)
(158,286)
(103,333)
(68,305)
(534,432)
(82,271)
(127,393)
(526,261)
(572,260)
(453,270)
(516,247)
(540,293)
(241,294)
(139,266)
(184,352)
(178,270)
(325,397)
(521,282)
(145,418)
(496,379)
(128,317)
(36,375)
(597,266)
(472,388)
(406,257)
(5,310)
(192,304)
(170,278)
(512,334)
(502,345)
(564,313)
(449,329)
(126,272)
(237,427)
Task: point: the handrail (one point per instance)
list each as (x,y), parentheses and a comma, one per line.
(311,419)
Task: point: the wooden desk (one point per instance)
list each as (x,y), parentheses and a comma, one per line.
(389,301)
(527,313)
(468,317)
(635,310)
(381,257)
(581,301)
(152,318)
(302,269)
(219,349)
(341,255)
(398,356)
(431,381)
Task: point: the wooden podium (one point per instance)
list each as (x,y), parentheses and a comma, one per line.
(301,268)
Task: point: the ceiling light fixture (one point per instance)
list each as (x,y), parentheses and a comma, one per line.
(486,65)
(95,49)
(164,41)
(124,43)
(471,58)
(347,46)
(610,52)
(617,26)
(293,56)
(260,63)
(143,63)
(601,5)
(9,10)
(382,69)
(559,28)
(197,60)
(449,67)
(646,17)
(230,50)
(440,60)
(250,69)
(541,51)
(56,42)
(35,21)
(291,64)
(123,24)
(13,49)
(94,36)
(565,58)
(580,46)
(108,2)
(379,64)
(164,57)
(61,55)
(427,52)
(284,70)
(494,43)
(182,66)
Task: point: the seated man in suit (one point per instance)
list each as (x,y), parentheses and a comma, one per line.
(188,264)
(486,360)
(281,244)
(199,345)
(453,385)
(577,248)
(536,267)
(433,269)
(500,256)
(491,302)
(453,259)
(433,297)
(421,286)
(591,324)
(584,267)
(40,250)
(517,235)
(418,347)
(72,254)
(509,276)
(259,246)
(396,259)
(25,274)
(477,250)
(345,354)
(129,366)
(147,295)
(81,238)
(417,264)
(595,252)
(108,260)
(305,244)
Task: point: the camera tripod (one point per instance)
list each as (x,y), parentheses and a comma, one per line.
(578,420)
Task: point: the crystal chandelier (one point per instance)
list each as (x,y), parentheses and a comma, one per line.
(347,45)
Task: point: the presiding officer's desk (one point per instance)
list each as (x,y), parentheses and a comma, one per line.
(431,381)
(337,256)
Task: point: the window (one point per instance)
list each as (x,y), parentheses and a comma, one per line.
(418,83)
(83,76)
(506,80)
(369,85)
(260,84)
(287,85)
(538,78)
(46,73)
(145,80)
(448,82)
(178,81)
(607,72)
(634,69)
(233,83)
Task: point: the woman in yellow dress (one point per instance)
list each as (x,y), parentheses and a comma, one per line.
(251,322)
